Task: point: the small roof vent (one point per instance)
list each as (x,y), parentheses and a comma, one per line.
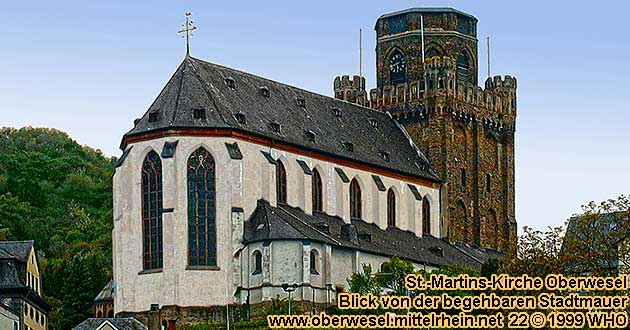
(240,118)
(154,116)
(348,145)
(323,227)
(373,122)
(199,113)
(337,112)
(300,101)
(264,91)
(385,155)
(229,81)
(365,237)
(310,135)
(275,126)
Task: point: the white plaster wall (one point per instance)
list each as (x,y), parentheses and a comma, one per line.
(240,183)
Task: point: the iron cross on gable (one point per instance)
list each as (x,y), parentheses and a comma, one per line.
(187,30)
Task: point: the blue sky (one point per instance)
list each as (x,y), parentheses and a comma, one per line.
(90,67)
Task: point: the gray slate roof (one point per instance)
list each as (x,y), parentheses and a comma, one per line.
(126,323)
(107,294)
(13,258)
(15,250)
(201,85)
(288,223)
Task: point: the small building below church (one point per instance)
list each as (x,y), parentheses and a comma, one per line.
(104,302)
(21,294)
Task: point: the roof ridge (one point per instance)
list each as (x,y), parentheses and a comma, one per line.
(179,92)
(308,225)
(204,87)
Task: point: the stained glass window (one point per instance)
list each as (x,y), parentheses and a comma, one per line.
(201,209)
(355,199)
(317,192)
(391,208)
(152,211)
(426,216)
(281,183)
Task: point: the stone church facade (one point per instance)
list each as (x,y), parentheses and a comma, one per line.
(232,186)
(466,131)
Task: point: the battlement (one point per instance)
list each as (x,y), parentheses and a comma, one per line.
(498,97)
(351,90)
(499,81)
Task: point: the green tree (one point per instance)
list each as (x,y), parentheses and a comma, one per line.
(364,282)
(392,276)
(59,194)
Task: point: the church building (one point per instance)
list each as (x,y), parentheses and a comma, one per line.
(232,187)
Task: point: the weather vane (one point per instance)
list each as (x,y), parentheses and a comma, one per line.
(187,29)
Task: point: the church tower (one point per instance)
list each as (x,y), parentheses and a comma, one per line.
(466,131)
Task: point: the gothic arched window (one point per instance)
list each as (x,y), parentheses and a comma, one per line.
(257,263)
(313,262)
(397,67)
(152,211)
(355,199)
(463,67)
(391,208)
(281,183)
(202,235)
(317,192)
(426,216)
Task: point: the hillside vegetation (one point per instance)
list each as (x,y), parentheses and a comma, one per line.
(59,194)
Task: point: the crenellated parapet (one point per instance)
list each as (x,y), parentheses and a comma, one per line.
(351,90)
(495,103)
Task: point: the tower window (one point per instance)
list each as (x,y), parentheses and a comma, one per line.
(463,67)
(463,177)
(281,183)
(152,211)
(355,199)
(385,155)
(317,192)
(426,216)
(391,208)
(488,183)
(300,102)
(349,146)
(201,209)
